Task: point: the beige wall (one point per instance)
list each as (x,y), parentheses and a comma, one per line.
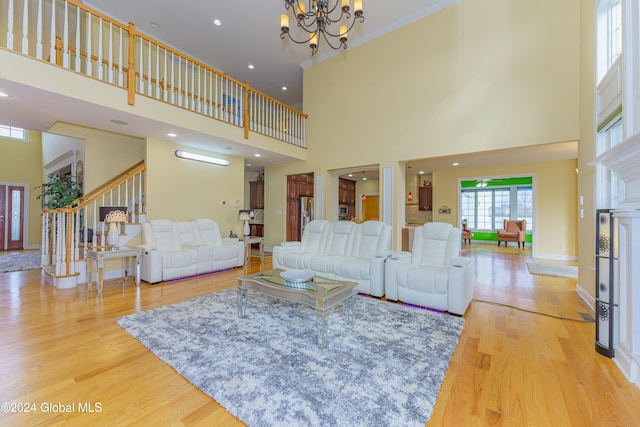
(180,189)
(21,163)
(555,204)
(476,76)
(586,148)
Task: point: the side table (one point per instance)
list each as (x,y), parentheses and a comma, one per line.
(248,241)
(97,256)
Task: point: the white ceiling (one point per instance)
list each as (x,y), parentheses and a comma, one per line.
(249,34)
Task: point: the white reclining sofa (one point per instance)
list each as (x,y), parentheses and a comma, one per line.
(341,251)
(433,274)
(176,249)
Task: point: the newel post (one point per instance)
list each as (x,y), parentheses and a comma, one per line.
(131,70)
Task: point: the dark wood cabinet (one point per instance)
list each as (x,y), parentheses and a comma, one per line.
(256,195)
(425,198)
(297,185)
(347,196)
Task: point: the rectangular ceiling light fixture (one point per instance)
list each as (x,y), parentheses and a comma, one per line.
(201,158)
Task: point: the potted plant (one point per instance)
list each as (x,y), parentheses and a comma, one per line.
(59,191)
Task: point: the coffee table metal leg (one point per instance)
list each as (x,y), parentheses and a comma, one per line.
(242,301)
(322,326)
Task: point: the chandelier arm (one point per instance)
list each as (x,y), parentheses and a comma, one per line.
(339,34)
(326,39)
(294,40)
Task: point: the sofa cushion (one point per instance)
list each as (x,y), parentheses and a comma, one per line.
(207,231)
(353,268)
(371,238)
(162,235)
(423,279)
(182,258)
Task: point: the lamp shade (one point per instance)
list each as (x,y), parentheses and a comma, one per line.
(103,211)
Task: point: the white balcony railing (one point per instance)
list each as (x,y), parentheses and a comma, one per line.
(70,35)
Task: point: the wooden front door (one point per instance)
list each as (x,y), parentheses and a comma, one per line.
(11,217)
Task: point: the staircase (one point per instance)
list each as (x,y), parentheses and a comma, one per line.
(66,232)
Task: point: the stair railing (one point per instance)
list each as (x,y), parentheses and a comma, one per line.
(66,231)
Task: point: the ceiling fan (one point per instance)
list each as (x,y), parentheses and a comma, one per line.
(483,182)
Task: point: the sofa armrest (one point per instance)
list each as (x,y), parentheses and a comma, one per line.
(290,244)
(151,266)
(278,252)
(376,276)
(391,273)
(460,291)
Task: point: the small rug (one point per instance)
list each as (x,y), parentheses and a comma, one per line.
(267,370)
(569,271)
(19,262)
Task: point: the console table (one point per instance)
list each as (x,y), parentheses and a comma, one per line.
(97,256)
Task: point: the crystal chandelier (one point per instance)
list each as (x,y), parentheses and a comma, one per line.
(317,22)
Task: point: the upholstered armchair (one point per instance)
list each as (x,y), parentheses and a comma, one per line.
(466,233)
(514,231)
(433,274)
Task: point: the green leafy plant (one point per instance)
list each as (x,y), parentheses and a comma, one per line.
(60,191)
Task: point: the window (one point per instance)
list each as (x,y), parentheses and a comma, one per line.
(487,208)
(12,132)
(609,35)
(607,182)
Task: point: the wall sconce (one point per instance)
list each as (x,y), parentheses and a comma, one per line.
(201,158)
(363,198)
(409,197)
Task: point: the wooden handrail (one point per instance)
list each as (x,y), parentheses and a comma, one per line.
(108,186)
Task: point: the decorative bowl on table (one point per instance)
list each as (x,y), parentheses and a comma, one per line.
(295,277)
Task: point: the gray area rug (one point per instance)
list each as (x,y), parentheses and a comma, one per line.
(19,262)
(569,271)
(266,369)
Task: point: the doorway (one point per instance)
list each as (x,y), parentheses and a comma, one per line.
(370,207)
(11,217)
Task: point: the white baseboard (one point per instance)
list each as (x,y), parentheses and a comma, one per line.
(586,297)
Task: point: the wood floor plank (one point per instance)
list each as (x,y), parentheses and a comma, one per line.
(510,368)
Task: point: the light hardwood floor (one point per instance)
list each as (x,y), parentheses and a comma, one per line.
(511,367)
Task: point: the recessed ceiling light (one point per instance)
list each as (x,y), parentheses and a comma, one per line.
(421,173)
(119,122)
(217,22)
(154,24)
(172,135)
(249,164)
(364,179)
(284,88)
(251,67)
(258,155)
(3,95)
(456,164)
(350,174)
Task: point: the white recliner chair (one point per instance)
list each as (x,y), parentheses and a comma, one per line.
(433,274)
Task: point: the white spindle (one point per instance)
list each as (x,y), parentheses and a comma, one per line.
(110,62)
(100,56)
(52,34)
(141,65)
(89,46)
(186,84)
(120,63)
(199,93)
(173,84)
(179,81)
(10,25)
(205,101)
(164,75)
(78,63)
(150,71)
(65,37)
(140,193)
(158,71)
(39,31)
(25,28)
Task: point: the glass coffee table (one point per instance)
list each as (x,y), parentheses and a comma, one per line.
(319,293)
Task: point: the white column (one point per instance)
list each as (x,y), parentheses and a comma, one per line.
(627,351)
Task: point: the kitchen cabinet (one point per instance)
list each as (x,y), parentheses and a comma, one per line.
(256,195)
(297,185)
(347,196)
(425,198)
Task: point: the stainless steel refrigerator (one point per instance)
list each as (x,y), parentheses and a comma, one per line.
(305,214)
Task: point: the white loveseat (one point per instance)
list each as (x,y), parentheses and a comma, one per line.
(175,249)
(343,251)
(433,274)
